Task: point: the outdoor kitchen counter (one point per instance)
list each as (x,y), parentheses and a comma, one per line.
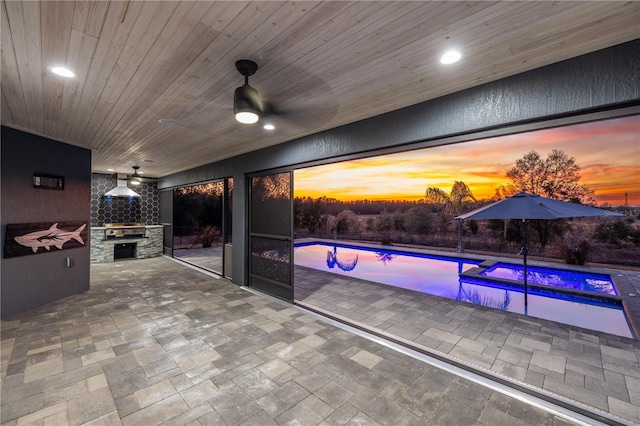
(102,249)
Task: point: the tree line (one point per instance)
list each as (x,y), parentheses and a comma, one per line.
(557,176)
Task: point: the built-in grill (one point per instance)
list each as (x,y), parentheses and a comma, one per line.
(124,230)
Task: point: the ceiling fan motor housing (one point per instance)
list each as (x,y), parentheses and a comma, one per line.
(246,99)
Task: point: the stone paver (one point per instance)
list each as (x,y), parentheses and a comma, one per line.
(594,368)
(153,341)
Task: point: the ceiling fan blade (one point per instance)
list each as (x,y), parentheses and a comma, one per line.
(296,113)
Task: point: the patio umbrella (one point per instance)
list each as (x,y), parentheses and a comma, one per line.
(524,206)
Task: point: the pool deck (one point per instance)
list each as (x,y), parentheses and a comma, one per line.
(628,284)
(592,368)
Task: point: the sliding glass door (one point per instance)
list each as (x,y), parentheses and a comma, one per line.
(270,234)
(202,224)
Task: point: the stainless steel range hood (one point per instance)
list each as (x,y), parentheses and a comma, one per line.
(121,189)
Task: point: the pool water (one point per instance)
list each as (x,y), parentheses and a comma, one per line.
(573,280)
(440,276)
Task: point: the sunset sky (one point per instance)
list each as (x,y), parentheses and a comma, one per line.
(608,153)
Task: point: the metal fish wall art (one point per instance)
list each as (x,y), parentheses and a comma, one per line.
(52,237)
(33,238)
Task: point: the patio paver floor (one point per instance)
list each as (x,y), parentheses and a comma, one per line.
(157,342)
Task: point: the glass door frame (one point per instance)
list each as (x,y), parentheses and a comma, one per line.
(226,221)
(287,291)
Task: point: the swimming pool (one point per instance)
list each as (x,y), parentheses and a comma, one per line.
(574,280)
(446,276)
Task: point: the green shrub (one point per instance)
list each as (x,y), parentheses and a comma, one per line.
(418,220)
(619,232)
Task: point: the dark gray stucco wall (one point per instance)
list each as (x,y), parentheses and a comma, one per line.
(601,80)
(31,281)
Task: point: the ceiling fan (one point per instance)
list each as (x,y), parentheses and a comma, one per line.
(136,178)
(247,104)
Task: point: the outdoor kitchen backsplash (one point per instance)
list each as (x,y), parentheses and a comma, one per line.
(145,209)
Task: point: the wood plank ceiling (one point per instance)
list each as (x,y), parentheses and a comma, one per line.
(321,64)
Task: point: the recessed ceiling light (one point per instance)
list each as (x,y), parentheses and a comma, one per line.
(168,121)
(110,170)
(269,127)
(62,71)
(450,57)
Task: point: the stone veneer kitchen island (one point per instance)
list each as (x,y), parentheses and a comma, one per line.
(102,249)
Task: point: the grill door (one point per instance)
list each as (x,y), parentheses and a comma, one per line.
(270,234)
